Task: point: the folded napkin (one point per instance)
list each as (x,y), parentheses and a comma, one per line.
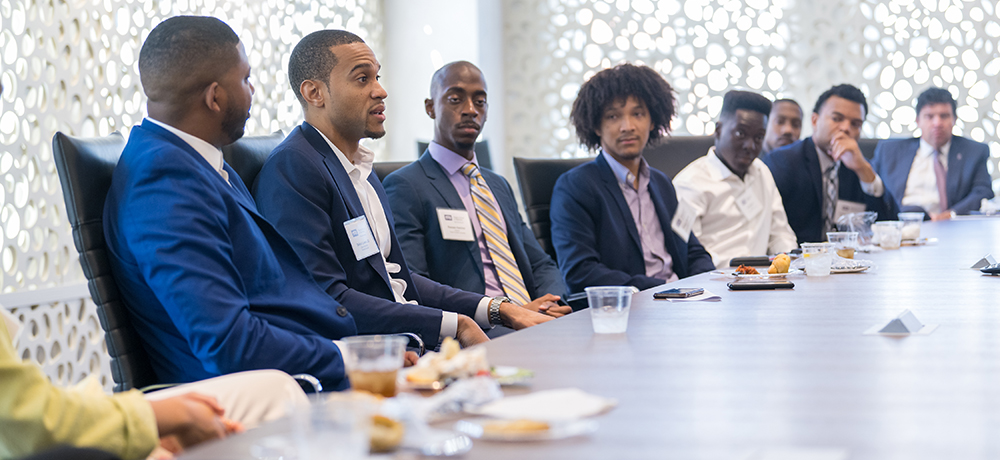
(704,296)
(549,406)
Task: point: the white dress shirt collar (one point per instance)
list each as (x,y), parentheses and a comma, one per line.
(926,149)
(211,154)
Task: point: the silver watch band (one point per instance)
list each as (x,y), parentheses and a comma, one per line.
(494,310)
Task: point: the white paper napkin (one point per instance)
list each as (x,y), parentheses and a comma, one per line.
(549,406)
(8,321)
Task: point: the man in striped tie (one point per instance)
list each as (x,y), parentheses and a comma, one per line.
(458,223)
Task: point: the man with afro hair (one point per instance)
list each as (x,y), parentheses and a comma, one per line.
(616,220)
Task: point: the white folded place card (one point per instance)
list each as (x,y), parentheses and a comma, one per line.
(547,406)
(986,261)
(704,296)
(800,453)
(904,324)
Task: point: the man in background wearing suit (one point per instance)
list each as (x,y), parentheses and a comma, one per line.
(784,125)
(615,220)
(825,176)
(210,285)
(937,173)
(459,224)
(319,190)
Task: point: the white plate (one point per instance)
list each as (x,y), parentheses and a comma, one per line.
(764,274)
(849,270)
(504,375)
(557,430)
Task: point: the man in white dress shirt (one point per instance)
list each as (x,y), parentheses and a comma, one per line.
(738,208)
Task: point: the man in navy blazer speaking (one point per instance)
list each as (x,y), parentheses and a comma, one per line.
(319,190)
(937,173)
(615,220)
(825,176)
(458,224)
(210,286)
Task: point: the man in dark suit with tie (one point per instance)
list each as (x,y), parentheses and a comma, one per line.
(825,176)
(937,173)
(319,191)
(459,224)
(616,220)
(210,286)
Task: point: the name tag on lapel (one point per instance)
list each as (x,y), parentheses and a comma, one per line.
(845,207)
(683,221)
(456,225)
(361,237)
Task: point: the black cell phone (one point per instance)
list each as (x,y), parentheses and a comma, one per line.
(757,284)
(678,293)
(758,261)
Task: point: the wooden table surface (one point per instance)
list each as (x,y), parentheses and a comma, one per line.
(761,372)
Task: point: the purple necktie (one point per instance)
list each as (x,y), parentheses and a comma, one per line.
(941,176)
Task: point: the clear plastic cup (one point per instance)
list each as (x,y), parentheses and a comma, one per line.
(336,428)
(889,233)
(845,243)
(609,307)
(818,258)
(372,362)
(911,224)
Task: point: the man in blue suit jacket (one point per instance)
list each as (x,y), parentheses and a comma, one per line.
(825,176)
(211,287)
(615,220)
(318,189)
(910,167)
(458,105)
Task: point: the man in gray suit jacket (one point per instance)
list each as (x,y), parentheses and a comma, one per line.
(937,173)
(458,224)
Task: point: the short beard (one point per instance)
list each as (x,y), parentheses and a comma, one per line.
(234,124)
(374,134)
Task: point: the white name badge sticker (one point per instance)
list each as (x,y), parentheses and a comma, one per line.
(455,225)
(748,204)
(845,207)
(683,221)
(361,237)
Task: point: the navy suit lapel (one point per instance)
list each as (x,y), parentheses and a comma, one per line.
(347,193)
(905,163)
(615,191)
(810,158)
(234,185)
(395,253)
(956,156)
(442,184)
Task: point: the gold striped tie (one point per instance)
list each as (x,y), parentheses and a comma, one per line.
(496,236)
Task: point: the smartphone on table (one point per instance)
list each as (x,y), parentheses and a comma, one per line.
(678,293)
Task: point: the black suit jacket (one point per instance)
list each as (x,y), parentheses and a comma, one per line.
(797,174)
(595,236)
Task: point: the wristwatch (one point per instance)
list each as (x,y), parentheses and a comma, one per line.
(494,310)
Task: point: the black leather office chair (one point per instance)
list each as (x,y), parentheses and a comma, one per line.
(384,168)
(247,155)
(482,153)
(536,178)
(674,153)
(85,167)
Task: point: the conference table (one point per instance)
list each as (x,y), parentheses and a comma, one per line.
(781,374)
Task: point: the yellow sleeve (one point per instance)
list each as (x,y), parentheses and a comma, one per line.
(35,414)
